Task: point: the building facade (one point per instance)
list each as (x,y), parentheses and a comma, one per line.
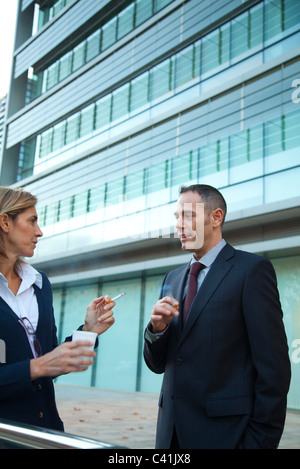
(112,107)
(2,118)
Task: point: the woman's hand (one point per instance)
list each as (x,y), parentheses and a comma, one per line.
(99,315)
(66,358)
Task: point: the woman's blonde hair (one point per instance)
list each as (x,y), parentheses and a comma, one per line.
(13,202)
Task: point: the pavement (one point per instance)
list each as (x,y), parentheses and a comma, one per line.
(128,419)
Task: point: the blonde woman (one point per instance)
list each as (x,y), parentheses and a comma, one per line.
(27,325)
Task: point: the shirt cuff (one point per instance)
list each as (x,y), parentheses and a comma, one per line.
(152,337)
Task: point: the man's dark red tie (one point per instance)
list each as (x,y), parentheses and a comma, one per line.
(192,288)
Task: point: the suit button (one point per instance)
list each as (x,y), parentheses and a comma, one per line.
(41,415)
(39,387)
(178,361)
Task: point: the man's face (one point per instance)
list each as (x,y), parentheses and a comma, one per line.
(190,221)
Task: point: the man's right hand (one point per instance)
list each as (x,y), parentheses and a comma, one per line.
(162,313)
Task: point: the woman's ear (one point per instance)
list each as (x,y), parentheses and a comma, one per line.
(5,222)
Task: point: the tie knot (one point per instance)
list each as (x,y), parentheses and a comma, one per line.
(195,268)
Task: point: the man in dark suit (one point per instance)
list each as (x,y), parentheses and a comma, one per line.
(226,368)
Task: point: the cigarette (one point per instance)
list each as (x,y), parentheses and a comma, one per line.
(116,297)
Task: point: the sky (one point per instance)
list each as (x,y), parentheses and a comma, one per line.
(8,11)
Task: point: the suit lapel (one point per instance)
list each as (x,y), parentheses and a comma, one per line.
(218,270)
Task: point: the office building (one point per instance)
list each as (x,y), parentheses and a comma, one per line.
(2,117)
(112,107)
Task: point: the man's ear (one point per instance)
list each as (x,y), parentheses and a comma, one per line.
(217,217)
(5,222)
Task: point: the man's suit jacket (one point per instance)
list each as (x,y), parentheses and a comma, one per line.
(23,400)
(227,372)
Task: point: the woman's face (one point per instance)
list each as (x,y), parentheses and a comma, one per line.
(23,234)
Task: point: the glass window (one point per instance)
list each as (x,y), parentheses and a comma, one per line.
(159,4)
(244,195)
(72,128)
(239,148)
(116,369)
(96,197)
(222,155)
(45,143)
(103,111)
(58,136)
(287,181)
(292,130)
(51,213)
(125,21)
(76,300)
(93,45)
(184,66)
(256,25)
(41,214)
(120,102)
(246,146)
(224,44)
(255,145)
(246,160)
(139,92)
(143,11)
(87,120)
(209,161)
(65,63)
(43,17)
(109,34)
(288,274)
(291,14)
(158,177)
(240,34)
(64,209)
(115,191)
(34,85)
(210,52)
(26,158)
(213,165)
(135,185)
(57,306)
(52,75)
(58,6)
(197,61)
(79,204)
(161,79)
(273,136)
(184,168)
(273,18)
(78,56)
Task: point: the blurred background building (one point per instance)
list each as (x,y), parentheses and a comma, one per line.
(112,106)
(2,117)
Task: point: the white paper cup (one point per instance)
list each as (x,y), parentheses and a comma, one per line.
(85,335)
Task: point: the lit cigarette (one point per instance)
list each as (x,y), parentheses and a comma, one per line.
(116,297)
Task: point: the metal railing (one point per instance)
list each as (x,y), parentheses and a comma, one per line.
(18,436)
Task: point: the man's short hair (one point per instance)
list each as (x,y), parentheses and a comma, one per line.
(210,196)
